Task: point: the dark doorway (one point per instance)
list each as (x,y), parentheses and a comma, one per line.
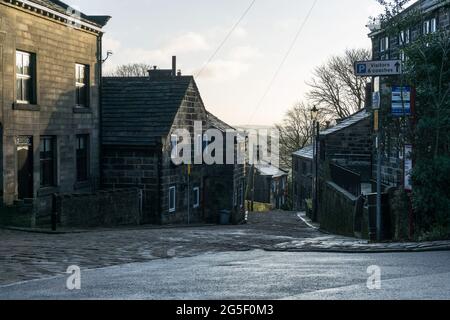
(25,167)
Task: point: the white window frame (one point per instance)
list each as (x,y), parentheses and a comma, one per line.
(22,76)
(196,197)
(84,68)
(405,37)
(433,25)
(174,208)
(426,27)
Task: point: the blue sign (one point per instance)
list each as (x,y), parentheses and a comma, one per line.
(361,68)
(401,101)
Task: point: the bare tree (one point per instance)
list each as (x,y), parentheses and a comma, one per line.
(335,88)
(296,132)
(130,70)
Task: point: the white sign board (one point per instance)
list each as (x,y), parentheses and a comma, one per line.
(378,68)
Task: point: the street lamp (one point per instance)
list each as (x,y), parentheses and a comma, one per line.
(314,113)
(315,138)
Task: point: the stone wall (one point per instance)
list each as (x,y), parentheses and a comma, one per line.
(100,209)
(337,209)
(351,148)
(134,168)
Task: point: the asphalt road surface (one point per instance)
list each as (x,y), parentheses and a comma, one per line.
(255,275)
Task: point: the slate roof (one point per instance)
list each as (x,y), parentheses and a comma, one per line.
(62,7)
(269,170)
(218,124)
(139,111)
(306,153)
(346,123)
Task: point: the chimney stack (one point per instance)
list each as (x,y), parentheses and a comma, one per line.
(174,66)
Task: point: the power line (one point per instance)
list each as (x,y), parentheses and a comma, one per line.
(226,38)
(283,61)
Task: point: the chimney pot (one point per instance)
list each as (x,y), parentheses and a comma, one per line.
(174,66)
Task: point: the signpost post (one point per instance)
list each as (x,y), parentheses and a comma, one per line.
(374,69)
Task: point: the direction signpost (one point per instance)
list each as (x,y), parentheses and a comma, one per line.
(378,68)
(383,68)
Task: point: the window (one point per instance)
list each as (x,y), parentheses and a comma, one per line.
(384,44)
(430,26)
(25,78)
(47,159)
(172,199)
(82,148)
(405,37)
(403,56)
(196,198)
(82,85)
(384,48)
(433,25)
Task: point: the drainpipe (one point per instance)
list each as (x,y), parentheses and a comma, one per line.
(100,107)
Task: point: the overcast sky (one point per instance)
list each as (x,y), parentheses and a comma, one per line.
(232,85)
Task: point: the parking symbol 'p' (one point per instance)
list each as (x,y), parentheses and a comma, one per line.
(361,68)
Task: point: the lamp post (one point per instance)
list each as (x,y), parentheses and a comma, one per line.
(315,137)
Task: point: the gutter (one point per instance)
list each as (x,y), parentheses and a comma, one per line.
(58,14)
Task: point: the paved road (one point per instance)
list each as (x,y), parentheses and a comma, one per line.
(256,275)
(28,256)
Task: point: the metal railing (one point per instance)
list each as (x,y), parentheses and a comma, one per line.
(346,179)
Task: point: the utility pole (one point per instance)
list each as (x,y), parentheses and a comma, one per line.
(316,185)
(377,121)
(315,135)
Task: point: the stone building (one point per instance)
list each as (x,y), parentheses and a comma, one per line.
(50,73)
(270,185)
(434,16)
(302,177)
(140,118)
(349,144)
(225,185)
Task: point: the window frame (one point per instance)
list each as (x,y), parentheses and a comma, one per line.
(86,157)
(196,197)
(29,77)
(405,37)
(82,85)
(174,208)
(45,159)
(433,25)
